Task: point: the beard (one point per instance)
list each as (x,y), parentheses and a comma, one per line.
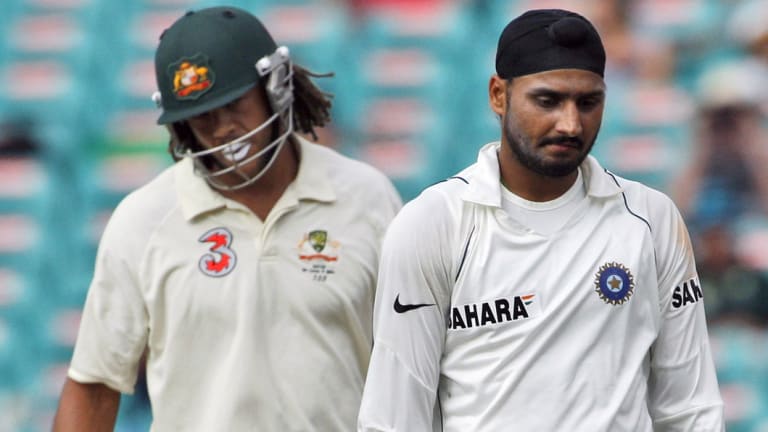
(524,150)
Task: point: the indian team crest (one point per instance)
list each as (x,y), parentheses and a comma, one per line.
(220,259)
(614,283)
(319,254)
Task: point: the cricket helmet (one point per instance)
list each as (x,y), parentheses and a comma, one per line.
(207,59)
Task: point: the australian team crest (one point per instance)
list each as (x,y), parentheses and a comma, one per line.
(614,283)
(315,246)
(192,77)
(317,240)
(318,254)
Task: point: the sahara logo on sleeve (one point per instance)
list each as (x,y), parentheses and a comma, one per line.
(687,293)
(220,259)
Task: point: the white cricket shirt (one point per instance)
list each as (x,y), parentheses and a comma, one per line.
(250,325)
(482,324)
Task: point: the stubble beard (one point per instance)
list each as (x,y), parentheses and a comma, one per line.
(523,149)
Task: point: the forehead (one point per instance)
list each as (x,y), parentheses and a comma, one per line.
(569,81)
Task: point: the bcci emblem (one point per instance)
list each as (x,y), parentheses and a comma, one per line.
(614,283)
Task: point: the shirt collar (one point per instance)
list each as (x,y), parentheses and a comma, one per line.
(485,183)
(312,182)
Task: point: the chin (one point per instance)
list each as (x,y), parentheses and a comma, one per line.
(558,169)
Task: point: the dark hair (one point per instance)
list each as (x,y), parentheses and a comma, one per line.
(311,106)
(311,109)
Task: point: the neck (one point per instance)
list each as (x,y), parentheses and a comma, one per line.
(262,195)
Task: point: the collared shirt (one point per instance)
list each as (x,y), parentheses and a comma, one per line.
(249,324)
(482,324)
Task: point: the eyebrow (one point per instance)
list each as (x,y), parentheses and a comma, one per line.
(545,91)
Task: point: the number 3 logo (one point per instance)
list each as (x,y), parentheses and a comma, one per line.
(221,260)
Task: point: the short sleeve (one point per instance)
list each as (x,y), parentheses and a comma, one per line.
(113,329)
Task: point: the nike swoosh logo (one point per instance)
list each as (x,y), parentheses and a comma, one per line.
(402,308)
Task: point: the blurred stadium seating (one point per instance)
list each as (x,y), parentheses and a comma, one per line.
(410,97)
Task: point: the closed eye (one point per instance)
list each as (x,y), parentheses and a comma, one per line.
(589,104)
(547,101)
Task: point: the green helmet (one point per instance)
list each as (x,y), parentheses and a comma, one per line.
(207,59)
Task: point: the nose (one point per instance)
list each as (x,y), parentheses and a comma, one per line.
(569,121)
(223,123)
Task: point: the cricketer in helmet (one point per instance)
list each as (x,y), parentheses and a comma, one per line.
(220,66)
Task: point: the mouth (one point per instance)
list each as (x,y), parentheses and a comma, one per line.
(237,151)
(564,145)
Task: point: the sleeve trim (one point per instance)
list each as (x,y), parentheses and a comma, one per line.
(85,378)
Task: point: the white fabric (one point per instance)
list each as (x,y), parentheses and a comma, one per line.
(511,331)
(544,217)
(279,341)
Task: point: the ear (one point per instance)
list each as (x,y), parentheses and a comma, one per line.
(497,95)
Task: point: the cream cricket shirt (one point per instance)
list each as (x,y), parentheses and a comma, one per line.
(250,326)
(481,324)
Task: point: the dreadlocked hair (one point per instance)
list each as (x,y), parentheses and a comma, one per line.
(311,106)
(181,138)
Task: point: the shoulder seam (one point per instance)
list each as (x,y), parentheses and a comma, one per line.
(464,255)
(626,203)
(451,178)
